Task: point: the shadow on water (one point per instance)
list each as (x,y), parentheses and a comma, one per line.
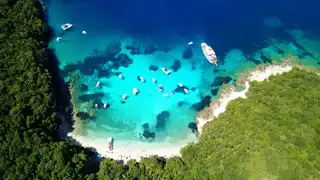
(63,110)
(61,95)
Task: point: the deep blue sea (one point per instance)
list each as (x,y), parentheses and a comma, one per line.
(138,38)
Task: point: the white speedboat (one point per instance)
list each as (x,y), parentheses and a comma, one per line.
(209,53)
(167,72)
(124,96)
(135,91)
(66,26)
(59,38)
(154,80)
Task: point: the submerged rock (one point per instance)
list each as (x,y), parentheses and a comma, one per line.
(214,91)
(187,53)
(98,103)
(153,68)
(165,49)
(124,60)
(265,59)
(113,48)
(145,126)
(83,116)
(148,134)
(91,97)
(218,81)
(84,87)
(181,103)
(193,66)
(95,61)
(205,102)
(133,49)
(161,119)
(150,49)
(176,65)
(105,73)
(135,52)
(193,127)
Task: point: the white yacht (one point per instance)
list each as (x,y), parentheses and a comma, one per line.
(66,26)
(209,53)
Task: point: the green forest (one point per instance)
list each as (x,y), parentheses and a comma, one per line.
(273,134)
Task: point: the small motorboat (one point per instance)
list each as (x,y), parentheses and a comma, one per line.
(125,96)
(166,95)
(140,78)
(135,91)
(186,90)
(160,87)
(110,143)
(84,32)
(105,105)
(167,72)
(209,53)
(59,38)
(66,26)
(180,85)
(190,43)
(154,80)
(120,76)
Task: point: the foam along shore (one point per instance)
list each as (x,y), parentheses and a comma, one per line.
(220,105)
(126,150)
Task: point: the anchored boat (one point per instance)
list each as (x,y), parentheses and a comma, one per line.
(66,26)
(209,53)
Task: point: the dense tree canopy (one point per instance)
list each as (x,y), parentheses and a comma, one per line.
(273,134)
(28,143)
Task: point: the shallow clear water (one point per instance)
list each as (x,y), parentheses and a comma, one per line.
(243,36)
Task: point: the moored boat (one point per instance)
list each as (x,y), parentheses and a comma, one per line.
(66,26)
(209,53)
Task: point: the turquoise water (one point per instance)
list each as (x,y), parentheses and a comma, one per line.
(121,38)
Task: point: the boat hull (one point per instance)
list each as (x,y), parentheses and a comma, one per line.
(212,58)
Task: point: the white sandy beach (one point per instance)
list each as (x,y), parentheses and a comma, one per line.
(135,149)
(126,150)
